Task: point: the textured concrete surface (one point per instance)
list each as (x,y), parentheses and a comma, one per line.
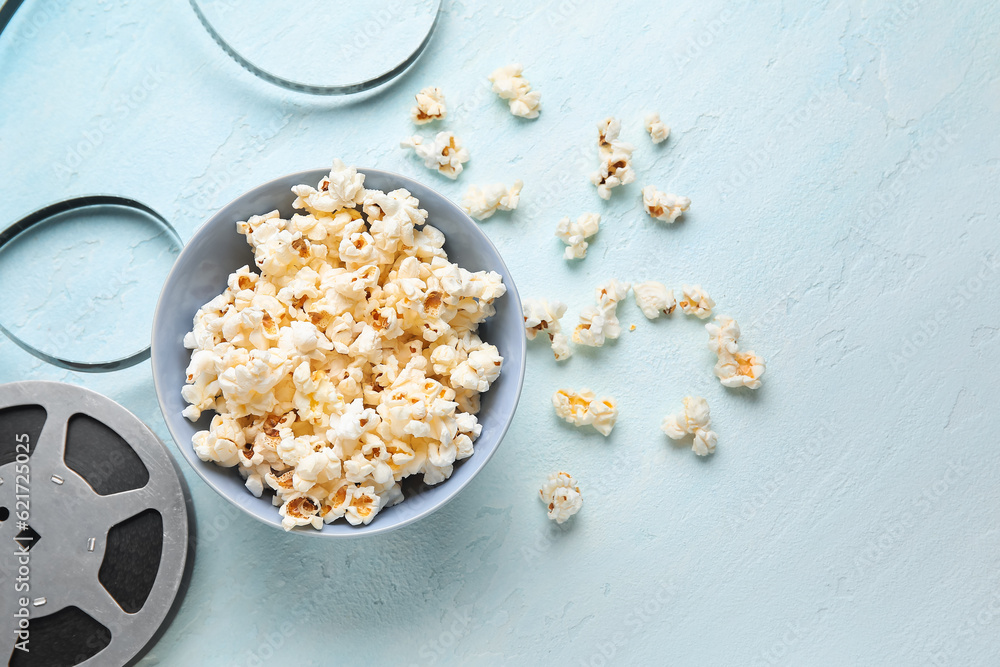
(842,160)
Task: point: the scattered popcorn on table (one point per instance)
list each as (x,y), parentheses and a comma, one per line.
(723,333)
(654,299)
(511,86)
(658,132)
(696,301)
(663,206)
(608,131)
(599,323)
(742,369)
(541,316)
(561,496)
(445,153)
(482,203)
(693,419)
(350,362)
(616,159)
(560,347)
(734,368)
(583,409)
(575,234)
(430,106)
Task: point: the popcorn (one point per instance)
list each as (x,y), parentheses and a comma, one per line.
(734,368)
(359,504)
(430,106)
(693,419)
(654,299)
(543,316)
(616,159)
(575,234)
(723,333)
(663,206)
(300,511)
(482,203)
(511,86)
(704,443)
(583,409)
(607,132)
(658,132)
(599,323)
(201,395)
(696,301)
(247,385)
(343,188)
(445,154)
(560,347)
(540,316)
(349,362)
(221,442)
(742,369)
(561,496)
(255,484)
(479,370)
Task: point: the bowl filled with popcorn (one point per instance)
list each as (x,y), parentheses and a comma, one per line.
(339,352)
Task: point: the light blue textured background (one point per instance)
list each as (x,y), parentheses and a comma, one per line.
(842,159)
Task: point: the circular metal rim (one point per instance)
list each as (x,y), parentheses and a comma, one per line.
(61,401)
(370,529)
(289,84)
(44,214)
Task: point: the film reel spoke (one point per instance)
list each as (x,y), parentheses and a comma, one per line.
(47,454)
(112,510)
(98,603)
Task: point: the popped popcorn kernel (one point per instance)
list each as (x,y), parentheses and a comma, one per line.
(430,106)
(482,203)
(561,497)
(723,335)
(575,234)
(742,369)
(608,131)
(599,323)
(444,154)
(734,368)
(616,159)
(343,188)
(663,206)
(654,299)
(696,301)
(300,511)
(693,419)
(560,347)
(541,316)
(350,361)
(585,409)
(658,132)
(510,85)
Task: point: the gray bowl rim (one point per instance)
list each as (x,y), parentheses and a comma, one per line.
(365,530)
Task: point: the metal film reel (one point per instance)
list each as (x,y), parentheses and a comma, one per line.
(103,554)
(76,205)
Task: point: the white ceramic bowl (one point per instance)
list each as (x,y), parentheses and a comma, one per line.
(217,249)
